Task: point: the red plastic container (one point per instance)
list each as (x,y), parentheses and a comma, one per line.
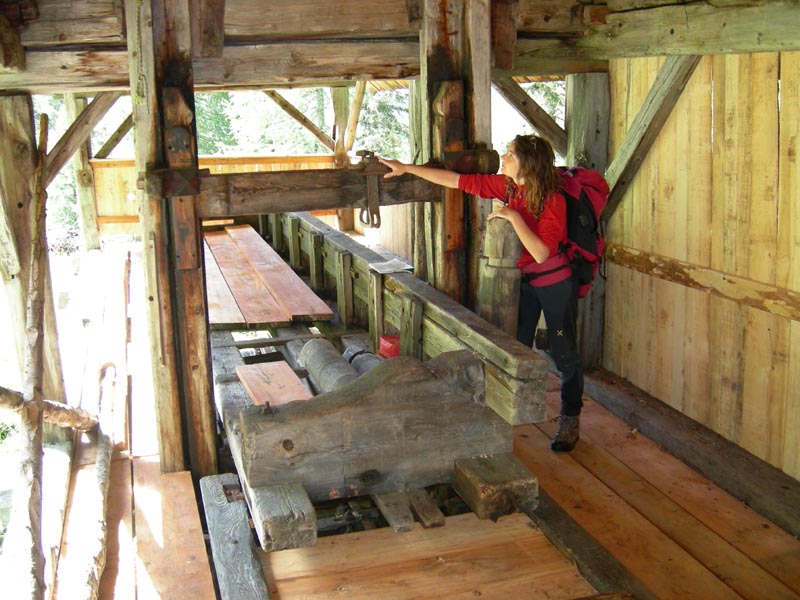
(390,346)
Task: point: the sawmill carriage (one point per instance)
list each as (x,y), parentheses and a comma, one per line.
(699,306)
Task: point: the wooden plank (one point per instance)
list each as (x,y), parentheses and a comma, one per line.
(396,509)
(467,558)
(208,27)
(741,290)
(768,546)
(763,487)
(728,564)
(222,307)
(316,265)
(662,566)
(295,260)
(344,287)
(236,563)
(411,326)
(667,89)
(291,292)
(272,383)
(425,510)
(362,450)
(171,553)
(12,54)
(255,300)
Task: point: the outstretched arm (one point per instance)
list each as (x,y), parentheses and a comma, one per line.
(438,176)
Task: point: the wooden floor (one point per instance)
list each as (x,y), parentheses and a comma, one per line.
(677,534)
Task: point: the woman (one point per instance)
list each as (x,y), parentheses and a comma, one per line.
(529,186)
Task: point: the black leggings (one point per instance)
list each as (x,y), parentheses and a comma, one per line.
(559,302)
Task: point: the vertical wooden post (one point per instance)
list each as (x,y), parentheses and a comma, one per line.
(375,310)
(294,242)
(275,231)
(341,112)
(163,108)
(344,287)
(499,284)
(316,263)
(411,327)
(587,125)
(84,180)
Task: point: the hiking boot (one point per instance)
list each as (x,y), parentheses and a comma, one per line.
(567,435)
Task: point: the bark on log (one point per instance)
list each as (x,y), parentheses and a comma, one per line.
(54,412)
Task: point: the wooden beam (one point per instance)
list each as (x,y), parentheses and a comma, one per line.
(84,179)
(587,123)
(12,54)
(115,138)
(355,113)
(505,14)
(9,256)
(772,299)
(694,28)
(542,122)
(78,133)
(57,413)
(298,116)
(643,132)
(232,194)
(153,219)
(208,27)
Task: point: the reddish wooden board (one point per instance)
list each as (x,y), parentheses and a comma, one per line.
(256,302)
(272,383)
(289,289)
(222,307)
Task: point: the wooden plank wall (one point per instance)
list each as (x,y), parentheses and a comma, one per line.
(115,183)
(395,232)
(720,190)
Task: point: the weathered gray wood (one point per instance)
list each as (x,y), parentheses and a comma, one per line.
(77,133)
(493,486)
(425,509)
(294,242)
(236,563)
(353,441)
(376,326)
(656,108)
(84,179)
(588,113)
(526,106)
(396,509)
(298,116)
(499,282)
(327,369)
(316,266)
(115,138)
(517,401)
(238,194)
(208,27)
(764,488)
(411,326)
(344,287)
(283,516)
(9,255)
(229,394)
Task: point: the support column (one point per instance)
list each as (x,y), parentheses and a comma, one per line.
(84,180)
(587,124)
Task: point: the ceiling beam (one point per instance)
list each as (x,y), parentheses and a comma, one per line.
(643,132)
(542,122)
(208,27)
(12,54)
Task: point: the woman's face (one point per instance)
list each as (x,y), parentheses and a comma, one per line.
(509,163)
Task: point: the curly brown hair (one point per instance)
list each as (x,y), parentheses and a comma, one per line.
(537,171)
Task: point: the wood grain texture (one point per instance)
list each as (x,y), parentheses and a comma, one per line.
(272,383)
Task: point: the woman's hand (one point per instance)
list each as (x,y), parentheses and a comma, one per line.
(505,212)
(397,168)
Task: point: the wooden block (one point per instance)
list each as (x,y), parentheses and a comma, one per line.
(425,509)
(272,383)
(517,401)
(283,516)
(380,434)
(236,563)
(493,486)
(396,509)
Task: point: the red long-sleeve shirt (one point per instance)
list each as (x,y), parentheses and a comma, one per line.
(551,226)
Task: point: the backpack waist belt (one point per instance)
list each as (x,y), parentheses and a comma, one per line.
(554,270)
